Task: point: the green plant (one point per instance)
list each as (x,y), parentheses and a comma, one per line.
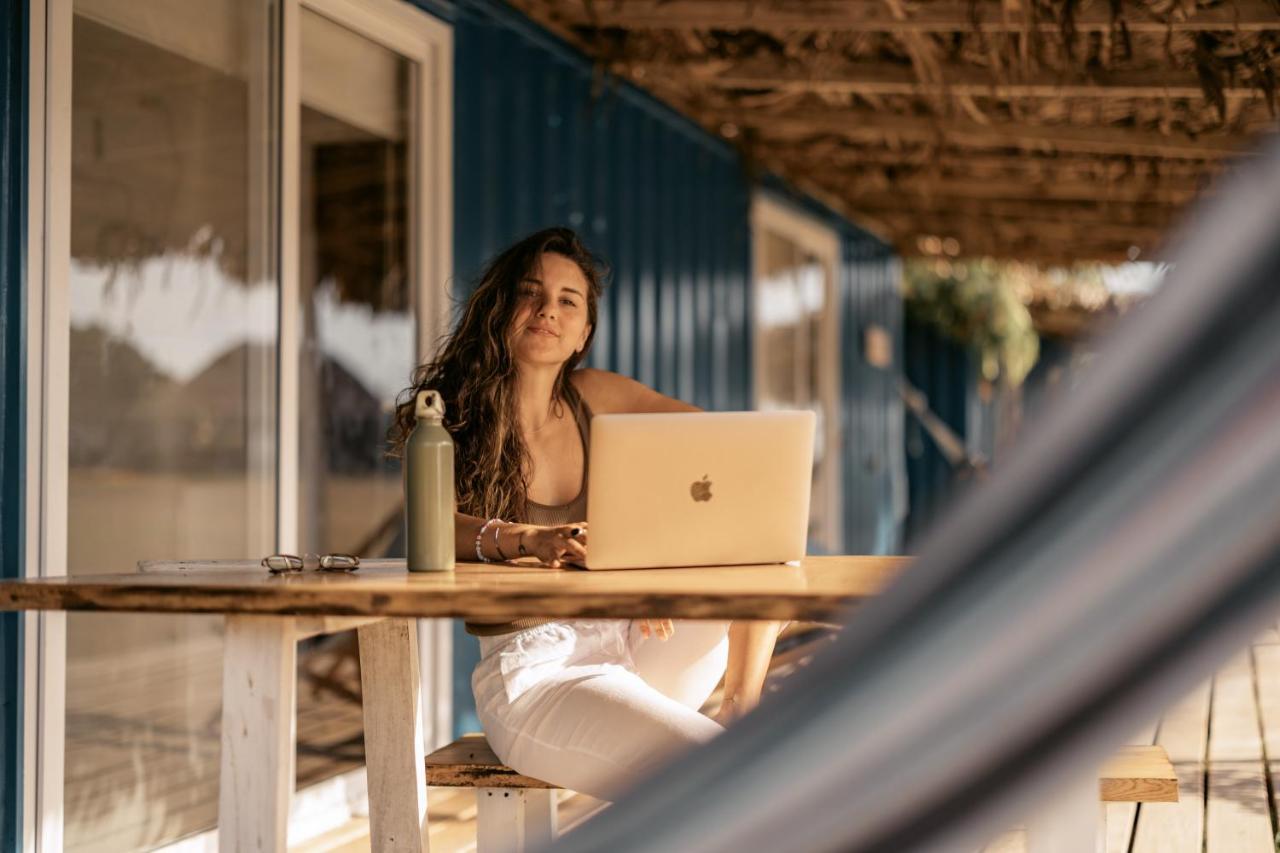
(977,303)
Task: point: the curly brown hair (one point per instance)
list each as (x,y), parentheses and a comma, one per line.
(475,375)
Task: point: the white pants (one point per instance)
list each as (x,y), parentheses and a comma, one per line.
(591,705)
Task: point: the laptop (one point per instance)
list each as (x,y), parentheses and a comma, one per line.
(699,489)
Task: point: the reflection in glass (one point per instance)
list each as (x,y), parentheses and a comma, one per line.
(357,314)
(173,309)
(358,336)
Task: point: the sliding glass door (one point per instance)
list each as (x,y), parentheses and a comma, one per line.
(173,300)
(254,258)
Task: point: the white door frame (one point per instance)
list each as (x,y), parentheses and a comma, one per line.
(398,26)
(48,335)
(771,214)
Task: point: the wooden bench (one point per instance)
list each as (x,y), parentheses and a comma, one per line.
(515,813)
(1139,774)
(1134,774)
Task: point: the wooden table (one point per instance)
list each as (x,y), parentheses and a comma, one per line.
(267,614)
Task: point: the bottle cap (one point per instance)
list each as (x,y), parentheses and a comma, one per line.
(429,406)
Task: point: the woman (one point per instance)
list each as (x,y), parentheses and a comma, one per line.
(589,705)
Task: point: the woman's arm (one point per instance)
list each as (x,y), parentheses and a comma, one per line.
(551,545)
(611,393)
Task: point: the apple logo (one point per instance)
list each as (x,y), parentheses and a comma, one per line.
(701,489)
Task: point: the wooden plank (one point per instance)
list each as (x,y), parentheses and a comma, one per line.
(1266,659)
(819,589)
(1138,774)
(258,718)
(878,126)
(470,763)
(1179,827)
(1167,192)
(937,16)
(1121,817)
(1238,812)
(890,79)
(393,738)
(314,626)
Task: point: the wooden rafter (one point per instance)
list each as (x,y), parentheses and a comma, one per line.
(883,78)
(995,134)
(928,157)
(1045,225)
(1119,215)
(938,16)
(1030,145)
(872,194)
(1059,248)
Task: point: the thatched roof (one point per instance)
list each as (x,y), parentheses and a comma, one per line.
(1049,130)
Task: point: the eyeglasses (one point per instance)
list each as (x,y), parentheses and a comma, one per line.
(279,564)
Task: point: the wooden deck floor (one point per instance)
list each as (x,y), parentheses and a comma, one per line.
(143,739)
(1224,741)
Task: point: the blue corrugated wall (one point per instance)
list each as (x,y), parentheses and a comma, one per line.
(875,486)
(661,201)
(947,374)
(539,140)
(13,194)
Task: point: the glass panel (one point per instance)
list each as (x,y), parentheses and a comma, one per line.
(359,334)
(173,306)
(358,338)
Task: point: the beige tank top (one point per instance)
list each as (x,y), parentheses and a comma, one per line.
(547,515)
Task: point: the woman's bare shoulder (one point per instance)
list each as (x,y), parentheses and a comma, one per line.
(612,393)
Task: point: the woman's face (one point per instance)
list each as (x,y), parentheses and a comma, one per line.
(550,321)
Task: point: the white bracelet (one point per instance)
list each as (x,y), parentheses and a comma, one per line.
(479,555)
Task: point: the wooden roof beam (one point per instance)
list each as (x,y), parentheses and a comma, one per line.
(1175,193)
(1118,215)
(1042,248)
(927,158)
(937,16)
(998,134)
(887,79)
(1021,229)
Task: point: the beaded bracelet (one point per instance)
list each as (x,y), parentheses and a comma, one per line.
(497,528)
(479,554)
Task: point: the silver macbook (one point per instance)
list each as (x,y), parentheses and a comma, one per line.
(702,489)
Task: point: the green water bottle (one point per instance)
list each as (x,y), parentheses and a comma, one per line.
(428,488)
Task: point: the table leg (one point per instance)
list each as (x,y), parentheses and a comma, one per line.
(514,820)
(393,740)
(259,712)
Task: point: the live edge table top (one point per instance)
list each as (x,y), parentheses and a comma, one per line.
(819,588)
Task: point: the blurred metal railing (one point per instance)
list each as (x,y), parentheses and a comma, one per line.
(1120,554)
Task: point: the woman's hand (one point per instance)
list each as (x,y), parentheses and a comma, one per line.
(663,629)
(555,546)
